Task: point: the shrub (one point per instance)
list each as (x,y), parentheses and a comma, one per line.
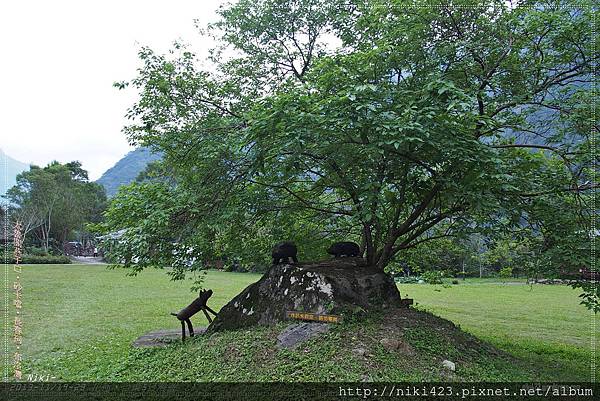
(506,272)
(37,251)
(454,281)
(39,260)
(433,277)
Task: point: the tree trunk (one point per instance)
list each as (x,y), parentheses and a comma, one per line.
(370,251)
(48,231)
(386,253)
(45,237)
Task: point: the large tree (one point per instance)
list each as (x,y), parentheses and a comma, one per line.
(393,123)
(55,200)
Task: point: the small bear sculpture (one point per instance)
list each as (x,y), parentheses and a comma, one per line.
(348,249)
(283,251)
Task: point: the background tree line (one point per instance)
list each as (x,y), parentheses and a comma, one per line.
(54,204)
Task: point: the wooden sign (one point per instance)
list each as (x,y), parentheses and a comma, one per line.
(313,317)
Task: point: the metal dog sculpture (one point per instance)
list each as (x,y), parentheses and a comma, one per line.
(199,304)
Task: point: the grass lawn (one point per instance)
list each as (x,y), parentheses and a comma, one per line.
(541,323)
(79,320)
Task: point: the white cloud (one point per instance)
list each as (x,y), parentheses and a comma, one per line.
(59,60)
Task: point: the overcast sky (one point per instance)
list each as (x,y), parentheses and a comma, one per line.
(59,61)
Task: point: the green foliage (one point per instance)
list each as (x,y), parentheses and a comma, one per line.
(48,259)
(433,277)
(38,259)
(590,297)
(151,212)
(36,251)
(506,272)
(53,201)
(423,125)
(446,254)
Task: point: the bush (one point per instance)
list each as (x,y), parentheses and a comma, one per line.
(455,281)
(41,260)
(37,251)
(50,259)
(432,277)
(506,272)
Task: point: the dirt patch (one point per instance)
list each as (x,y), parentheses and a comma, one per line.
(296,334)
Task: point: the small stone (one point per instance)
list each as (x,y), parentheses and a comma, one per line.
(406,349)
(360,351)
(390,344)
(449,365)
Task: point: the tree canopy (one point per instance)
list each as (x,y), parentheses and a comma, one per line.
(390,123)
(53,201)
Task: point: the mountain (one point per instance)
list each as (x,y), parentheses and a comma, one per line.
(127,169)
(9,169)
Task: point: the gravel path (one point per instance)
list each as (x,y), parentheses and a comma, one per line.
(87,260)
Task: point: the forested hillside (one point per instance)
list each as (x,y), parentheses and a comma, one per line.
(126,170)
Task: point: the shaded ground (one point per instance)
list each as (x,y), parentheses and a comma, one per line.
(162,338)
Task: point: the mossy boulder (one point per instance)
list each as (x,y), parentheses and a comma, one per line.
(331,287)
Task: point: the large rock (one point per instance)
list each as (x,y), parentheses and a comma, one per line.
(331,287)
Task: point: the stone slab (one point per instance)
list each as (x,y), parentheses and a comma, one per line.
(295,334)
